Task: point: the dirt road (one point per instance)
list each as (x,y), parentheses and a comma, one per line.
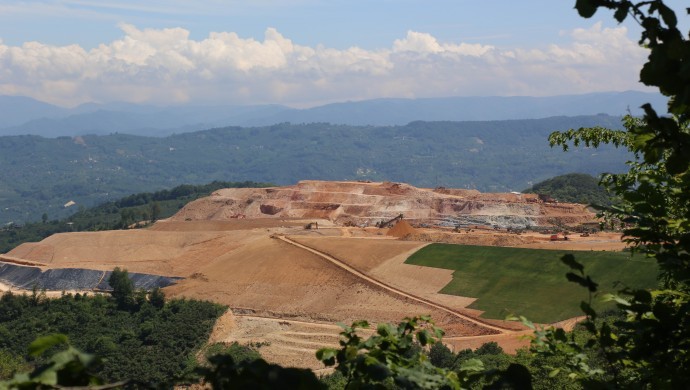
(393,289)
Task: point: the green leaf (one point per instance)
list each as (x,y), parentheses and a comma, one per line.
(327,355)
(677,163)
(643,296)
(621,13)
(586,8)
(350,352)
(423,338)
(376,370)
(570,261)
(47,377)
(384,330)
(615,298)
(472,365)
(576,279)
(41,344)
(668,15)
(587,309)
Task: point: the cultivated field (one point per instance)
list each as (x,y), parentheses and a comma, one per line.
(531,282)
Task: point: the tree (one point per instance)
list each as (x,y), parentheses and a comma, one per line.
(573,187)
(157,298)
(123,288)
(155,211)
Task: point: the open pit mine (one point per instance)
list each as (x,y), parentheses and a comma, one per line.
(290,262)
(367,204)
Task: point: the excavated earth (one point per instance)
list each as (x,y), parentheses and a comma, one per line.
(366,203)
(287,286)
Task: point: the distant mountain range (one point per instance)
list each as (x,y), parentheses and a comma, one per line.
(49,174)
(22,115)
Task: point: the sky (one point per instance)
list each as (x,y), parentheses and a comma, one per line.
(303,53)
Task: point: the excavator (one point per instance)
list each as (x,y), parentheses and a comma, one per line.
(390,222)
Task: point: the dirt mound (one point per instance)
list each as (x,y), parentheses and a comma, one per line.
(365,203)
(401,229)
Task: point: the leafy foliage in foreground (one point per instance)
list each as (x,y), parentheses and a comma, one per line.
(407,356)
(393,355)
(649,347)
(119,214)
(141,342)
(69,367)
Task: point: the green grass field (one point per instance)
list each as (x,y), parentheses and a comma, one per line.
(531,282)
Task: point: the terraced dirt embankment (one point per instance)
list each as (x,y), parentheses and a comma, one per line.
(366,203)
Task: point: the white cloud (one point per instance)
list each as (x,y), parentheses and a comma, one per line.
(165,66)
(425,43)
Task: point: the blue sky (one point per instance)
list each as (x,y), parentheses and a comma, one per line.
(307,52)
(339,24)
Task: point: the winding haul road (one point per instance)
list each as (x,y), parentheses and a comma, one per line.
(353,271)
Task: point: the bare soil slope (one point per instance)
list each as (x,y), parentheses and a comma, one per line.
(364,203)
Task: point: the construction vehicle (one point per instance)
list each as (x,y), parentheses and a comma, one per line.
(390,222)
(559,237)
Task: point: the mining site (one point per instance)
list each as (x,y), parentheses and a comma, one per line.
(290,262)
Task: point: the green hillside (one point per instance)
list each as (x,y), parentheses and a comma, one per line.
(531,282)
(43,174)
(119,214)
(573,187)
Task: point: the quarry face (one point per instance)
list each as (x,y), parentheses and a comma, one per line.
(368,204)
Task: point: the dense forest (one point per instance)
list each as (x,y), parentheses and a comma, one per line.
(43,174)
(573,187)
(131,211)
(136,335)
(143,339)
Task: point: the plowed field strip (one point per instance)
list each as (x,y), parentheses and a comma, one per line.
(393,289)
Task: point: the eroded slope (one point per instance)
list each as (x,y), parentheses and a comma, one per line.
(364,203)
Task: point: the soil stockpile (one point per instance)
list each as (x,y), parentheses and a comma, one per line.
(401,229)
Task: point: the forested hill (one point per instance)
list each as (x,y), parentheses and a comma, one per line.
(573,187)
(136,210)
(43,174)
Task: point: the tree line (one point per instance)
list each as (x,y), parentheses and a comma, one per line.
(131,211)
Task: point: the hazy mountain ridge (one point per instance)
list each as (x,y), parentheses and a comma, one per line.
(42,174)
(22,115)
